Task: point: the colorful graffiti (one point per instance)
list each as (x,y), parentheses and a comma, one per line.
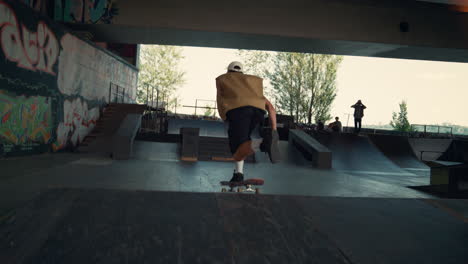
(52,84)
(85,11)
(25,119)
(36,51)
(78,121)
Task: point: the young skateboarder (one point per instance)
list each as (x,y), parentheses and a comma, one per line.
(241,103)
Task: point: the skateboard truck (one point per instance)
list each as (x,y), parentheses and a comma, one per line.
(249,183)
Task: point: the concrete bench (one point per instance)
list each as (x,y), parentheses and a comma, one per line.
(453,175)
(320,155)
(190,143)
(122,140)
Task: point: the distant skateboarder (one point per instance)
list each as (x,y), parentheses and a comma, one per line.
(242,104)
(358,115)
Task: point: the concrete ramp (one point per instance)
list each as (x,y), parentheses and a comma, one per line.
(429,149)
(457,152)
(399,150)
(356,154)
(207,128)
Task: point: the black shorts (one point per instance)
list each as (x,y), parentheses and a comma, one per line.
(242,121)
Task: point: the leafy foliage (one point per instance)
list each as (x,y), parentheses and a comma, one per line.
(159,70)
(303,84)
(400,120)
(209,111)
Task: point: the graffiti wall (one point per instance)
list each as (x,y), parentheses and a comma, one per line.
(85,11)
(78,121)
(52,84)
(75,79)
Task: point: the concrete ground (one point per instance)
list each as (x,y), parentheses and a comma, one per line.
(82,208)
(156,166)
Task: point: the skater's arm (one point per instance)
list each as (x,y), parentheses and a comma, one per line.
(271,113)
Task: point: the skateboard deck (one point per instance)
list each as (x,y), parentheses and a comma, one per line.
(248,183)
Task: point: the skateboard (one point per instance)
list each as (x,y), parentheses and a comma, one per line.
(248,183)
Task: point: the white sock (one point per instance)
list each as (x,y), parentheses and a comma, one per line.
(240,166)
(256,144)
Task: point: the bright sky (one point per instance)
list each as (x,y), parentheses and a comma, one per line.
(436,92)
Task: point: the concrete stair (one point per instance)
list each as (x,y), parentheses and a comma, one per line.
(216,149)
(108,123)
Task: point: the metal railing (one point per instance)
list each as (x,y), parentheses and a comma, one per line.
(118,94)
(196,106)
(433,129)
(154,121)
(153,98)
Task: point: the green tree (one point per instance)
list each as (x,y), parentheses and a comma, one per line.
(400,120)
(255,62)
(208,111)
(159,71)
(304,85)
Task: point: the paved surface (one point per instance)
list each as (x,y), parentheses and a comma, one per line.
(81,208)
(156,166)
(110,226)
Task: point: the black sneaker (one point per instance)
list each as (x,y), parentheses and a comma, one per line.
(237,177)
(270,145)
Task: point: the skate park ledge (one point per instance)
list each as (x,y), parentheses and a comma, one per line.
(320,155)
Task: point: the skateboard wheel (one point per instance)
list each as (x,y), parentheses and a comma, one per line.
(223,190)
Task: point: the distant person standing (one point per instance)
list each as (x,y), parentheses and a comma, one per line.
(358,115)
(335,126)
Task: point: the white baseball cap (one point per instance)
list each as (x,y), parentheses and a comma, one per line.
(235,66)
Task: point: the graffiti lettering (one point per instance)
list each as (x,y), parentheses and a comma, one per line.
(85,11)
(34,51)
(25,119)
(78,121)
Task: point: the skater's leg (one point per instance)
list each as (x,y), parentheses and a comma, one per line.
(239,166)
(239,132)
(256,144)
(238,174)
(358,125)
(271,138)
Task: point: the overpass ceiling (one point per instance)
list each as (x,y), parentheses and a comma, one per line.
(345,27)
(447,2)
